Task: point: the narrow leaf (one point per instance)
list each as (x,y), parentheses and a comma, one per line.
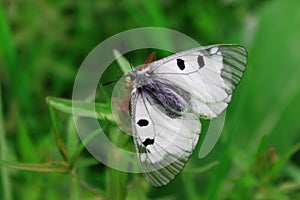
(122,61)
(58,137)
(81,109)
(201,169)
(58,167)
(6,183)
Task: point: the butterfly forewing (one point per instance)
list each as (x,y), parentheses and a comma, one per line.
(169,97)
(210,74)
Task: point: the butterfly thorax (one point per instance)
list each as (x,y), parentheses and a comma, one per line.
(138,77)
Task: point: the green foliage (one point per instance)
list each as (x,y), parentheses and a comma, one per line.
(43,43)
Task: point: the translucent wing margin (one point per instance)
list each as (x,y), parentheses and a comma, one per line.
(234,64)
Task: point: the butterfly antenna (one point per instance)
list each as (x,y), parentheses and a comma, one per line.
(110,82)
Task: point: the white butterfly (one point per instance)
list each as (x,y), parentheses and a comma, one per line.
(170,95)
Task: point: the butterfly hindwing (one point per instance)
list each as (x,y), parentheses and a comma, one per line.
(164,144)
(209,73)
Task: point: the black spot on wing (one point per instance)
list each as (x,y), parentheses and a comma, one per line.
(148,141)
(180,64)
(200,61)
(143,122)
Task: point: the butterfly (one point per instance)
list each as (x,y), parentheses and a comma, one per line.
(168,97)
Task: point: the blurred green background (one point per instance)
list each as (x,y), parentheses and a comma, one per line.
(42,44)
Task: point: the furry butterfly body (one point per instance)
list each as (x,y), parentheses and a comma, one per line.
(170,95)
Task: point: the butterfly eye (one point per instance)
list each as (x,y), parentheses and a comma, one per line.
(180,64)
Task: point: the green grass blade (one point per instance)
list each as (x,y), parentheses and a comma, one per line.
(74,189)
(189,174)
(201,169)
(272,118)
(104,93)
(116,180)
(155,13)
(6,43)
(78,151)
(62,147)
(72,138)
(122,61)
(58,167)
(24,142)
(116,184)
(6,183)
(284,159)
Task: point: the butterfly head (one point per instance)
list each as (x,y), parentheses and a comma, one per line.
(132,75)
